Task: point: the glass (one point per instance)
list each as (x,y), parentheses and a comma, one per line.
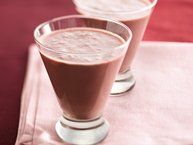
(82,121)
(137,21)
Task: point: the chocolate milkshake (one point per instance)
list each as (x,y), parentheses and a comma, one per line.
(138,27)
(83,69)
(82,61)
(133,13)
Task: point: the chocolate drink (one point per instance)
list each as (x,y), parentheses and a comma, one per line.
(83,69)
(126,11)
(137,27)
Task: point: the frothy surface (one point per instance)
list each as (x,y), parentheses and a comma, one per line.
(115,5)
(99,45)
(121,10)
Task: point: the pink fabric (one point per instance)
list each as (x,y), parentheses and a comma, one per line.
(158,111)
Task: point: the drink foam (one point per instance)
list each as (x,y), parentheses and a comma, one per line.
(82,45)
(116,9)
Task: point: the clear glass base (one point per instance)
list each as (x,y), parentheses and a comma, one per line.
(123,83)
(82,132)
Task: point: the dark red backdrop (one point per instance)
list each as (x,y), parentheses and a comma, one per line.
(172,21)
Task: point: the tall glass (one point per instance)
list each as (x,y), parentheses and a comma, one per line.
(82,89)
(135,19)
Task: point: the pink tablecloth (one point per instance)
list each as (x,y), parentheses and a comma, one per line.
(158,111)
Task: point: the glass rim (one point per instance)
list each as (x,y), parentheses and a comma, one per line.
(148,7)
(126,42)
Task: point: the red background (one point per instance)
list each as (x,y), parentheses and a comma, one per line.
(172,20)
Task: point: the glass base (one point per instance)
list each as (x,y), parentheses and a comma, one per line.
(82,132)
(123,83)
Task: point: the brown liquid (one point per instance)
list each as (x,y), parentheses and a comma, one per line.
(137,22)
(82,85)
(137,27)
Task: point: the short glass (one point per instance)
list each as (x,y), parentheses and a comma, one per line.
(137,21)
(82,121)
